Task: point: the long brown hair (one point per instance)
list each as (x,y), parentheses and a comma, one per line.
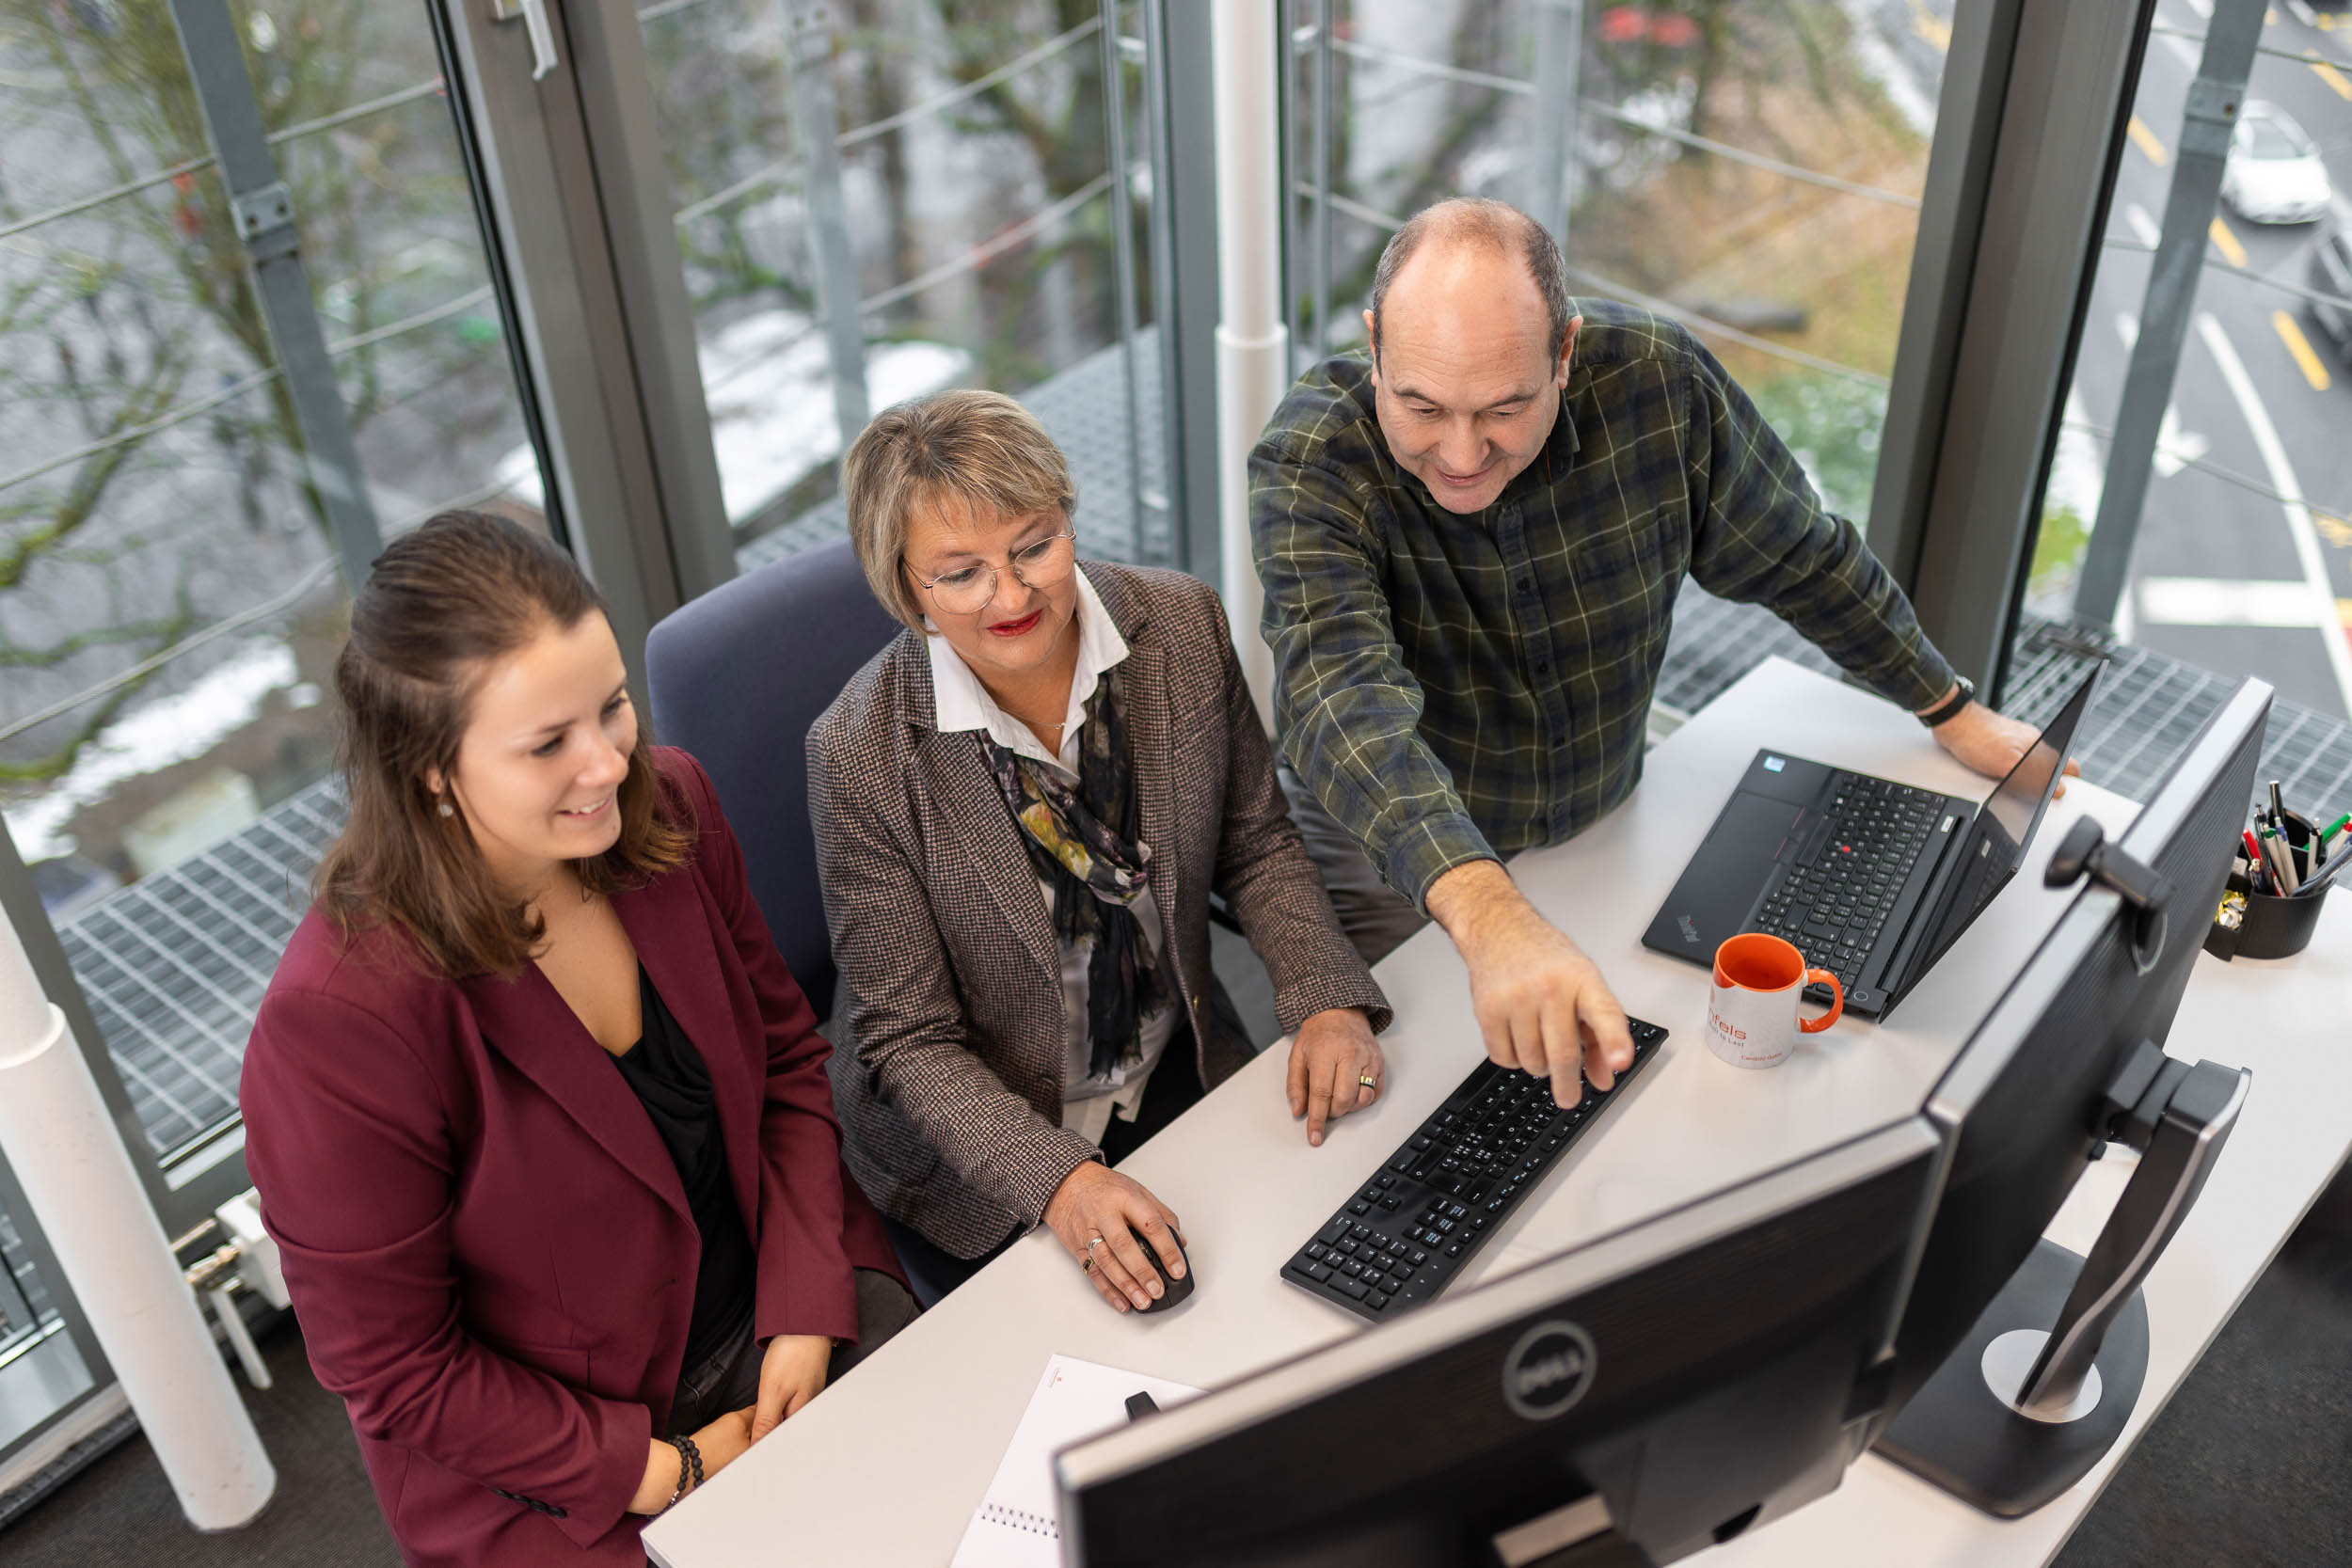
(441,605)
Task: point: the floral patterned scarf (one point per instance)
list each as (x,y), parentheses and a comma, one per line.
(1080,837)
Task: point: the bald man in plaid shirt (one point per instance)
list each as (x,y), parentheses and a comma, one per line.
(1471,539)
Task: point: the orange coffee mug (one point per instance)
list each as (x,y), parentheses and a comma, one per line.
(1751,1018)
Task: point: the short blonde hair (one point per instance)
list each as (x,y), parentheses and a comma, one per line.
(981,448)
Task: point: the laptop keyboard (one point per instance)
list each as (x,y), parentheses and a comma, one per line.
(1833,906)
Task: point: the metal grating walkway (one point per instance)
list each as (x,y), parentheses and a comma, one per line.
(2147,709)
(175,965)
(1122,492)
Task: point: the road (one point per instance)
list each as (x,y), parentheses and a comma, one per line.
(2224,576)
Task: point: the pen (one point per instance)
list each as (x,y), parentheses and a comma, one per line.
(2282,863)
(2328,834)
(2254,858)
(2319,881)
(2278,803)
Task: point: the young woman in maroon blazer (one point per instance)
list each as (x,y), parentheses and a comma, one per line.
(539,1118)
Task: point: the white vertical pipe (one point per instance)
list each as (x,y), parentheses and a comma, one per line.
(1253,343)
(87,1198)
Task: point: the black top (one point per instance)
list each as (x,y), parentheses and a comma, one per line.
(669,1077)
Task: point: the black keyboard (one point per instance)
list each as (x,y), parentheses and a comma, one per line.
(1404,1236)
(1833,904)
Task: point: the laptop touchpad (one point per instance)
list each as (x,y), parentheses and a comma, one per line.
(1751,830)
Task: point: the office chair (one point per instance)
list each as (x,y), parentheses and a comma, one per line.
(737,677)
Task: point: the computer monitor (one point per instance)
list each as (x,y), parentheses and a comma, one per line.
(1633,1401)
(2027,1106)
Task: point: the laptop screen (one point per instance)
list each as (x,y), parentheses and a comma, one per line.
(2017,805)
(1996,840)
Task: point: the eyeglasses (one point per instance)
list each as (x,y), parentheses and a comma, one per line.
(969,589)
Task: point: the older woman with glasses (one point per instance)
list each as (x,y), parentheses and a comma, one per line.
(1022,807)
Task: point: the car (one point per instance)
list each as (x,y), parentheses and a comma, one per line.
(2274,174)
(2331,274)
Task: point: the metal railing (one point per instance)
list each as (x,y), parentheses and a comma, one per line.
(770,174)
(165,176)
(1629,118)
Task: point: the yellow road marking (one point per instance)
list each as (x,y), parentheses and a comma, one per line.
(2146,141)
(2334,78)
(2227,243)
(2300,347)
(1928,26)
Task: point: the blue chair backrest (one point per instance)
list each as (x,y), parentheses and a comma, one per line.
(737,677)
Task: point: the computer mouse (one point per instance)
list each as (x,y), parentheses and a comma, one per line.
(1178,1290)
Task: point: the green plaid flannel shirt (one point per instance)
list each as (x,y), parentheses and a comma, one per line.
(1461,688)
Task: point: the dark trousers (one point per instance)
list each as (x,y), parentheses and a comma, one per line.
(728,1377)
(1173,1090)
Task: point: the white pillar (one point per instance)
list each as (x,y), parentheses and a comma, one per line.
(1253,343)
(87,1198)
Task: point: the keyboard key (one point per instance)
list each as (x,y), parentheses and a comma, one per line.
(1359,1207)
(1317,1249)
(1359,1232)
(1354,1287)
(1375,1300)
(1318,1272)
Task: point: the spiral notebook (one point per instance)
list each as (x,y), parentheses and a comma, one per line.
(1016,1524)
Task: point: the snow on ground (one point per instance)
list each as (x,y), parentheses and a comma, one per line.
(171,729)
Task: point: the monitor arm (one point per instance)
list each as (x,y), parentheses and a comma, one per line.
(2178,1117)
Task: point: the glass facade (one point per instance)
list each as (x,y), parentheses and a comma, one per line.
(901,197)
(170,600)
(1752,172)
(2240,558)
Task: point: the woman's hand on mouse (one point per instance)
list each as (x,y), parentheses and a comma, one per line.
(1095,1201)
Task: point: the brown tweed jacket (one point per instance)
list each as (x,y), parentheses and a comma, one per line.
(950,1102)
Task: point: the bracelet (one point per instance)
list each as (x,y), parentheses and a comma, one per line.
(689,1470)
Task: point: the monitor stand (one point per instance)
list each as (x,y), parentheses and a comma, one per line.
(2046,1379)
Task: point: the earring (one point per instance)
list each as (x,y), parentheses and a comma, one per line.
(446,809)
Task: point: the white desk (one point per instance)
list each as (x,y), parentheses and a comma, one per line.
(885,1468)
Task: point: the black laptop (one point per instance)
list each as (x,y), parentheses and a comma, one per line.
(1871,879)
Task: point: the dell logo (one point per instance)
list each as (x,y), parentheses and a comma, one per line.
(1548,1369)
(1689,928)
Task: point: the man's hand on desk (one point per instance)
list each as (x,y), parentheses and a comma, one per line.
(1541,1004)
(1990,743)
(1331,1057)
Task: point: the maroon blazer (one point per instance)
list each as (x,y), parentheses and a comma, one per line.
(490,1251)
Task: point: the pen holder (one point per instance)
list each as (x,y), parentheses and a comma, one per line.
(2273,928)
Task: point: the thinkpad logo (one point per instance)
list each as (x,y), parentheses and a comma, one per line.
(1548,1369)
(1689,928)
